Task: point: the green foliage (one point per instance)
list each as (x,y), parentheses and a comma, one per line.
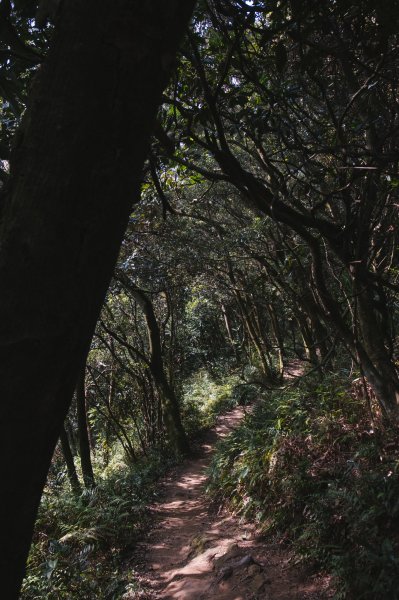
(234,287)
(80,543)
(207,396)
(308,466)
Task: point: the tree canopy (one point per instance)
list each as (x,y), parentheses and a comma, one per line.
(167,221)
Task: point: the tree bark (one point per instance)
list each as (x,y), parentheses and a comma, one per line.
(169,402)
(278,338)
(76,169)
(383,377)
(83,432)
(70,465)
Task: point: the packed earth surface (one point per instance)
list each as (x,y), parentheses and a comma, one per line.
(197,551)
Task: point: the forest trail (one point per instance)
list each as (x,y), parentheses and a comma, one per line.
(194,553)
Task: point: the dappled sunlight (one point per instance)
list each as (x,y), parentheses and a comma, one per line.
(195,554)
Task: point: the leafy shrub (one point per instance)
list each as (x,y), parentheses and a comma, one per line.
(306,464)
(80,543)
(205,397)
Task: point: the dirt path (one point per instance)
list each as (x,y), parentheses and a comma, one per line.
(193,553)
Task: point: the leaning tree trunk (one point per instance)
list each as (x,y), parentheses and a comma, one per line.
(70,464)
(83,432)
(76,169)
(169,401)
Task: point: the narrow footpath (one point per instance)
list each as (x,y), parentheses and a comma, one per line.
(194,552)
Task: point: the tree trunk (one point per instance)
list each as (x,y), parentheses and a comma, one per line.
(83,432)
(227,325)
(278,338)
(383,377)
(308,341)
(169,402)
(253,334)
(76,169)
(70,465)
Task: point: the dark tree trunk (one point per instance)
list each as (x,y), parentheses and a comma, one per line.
(76,169)
(72,437)
(83,432)
(379,367)
(169,402)
(70,465)
(309,346)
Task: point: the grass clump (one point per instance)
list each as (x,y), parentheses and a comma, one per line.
(308,465)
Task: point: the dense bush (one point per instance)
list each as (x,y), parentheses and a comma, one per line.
(207,395)
(308,466)
(80,543)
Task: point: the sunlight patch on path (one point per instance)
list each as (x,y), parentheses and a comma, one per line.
(194,554)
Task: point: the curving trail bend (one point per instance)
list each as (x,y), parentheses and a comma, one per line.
(194,553)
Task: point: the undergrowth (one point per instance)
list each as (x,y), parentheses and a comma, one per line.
(81,544)
(206,397)
(308,466)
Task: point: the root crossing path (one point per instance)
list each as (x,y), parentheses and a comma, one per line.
(193,552)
